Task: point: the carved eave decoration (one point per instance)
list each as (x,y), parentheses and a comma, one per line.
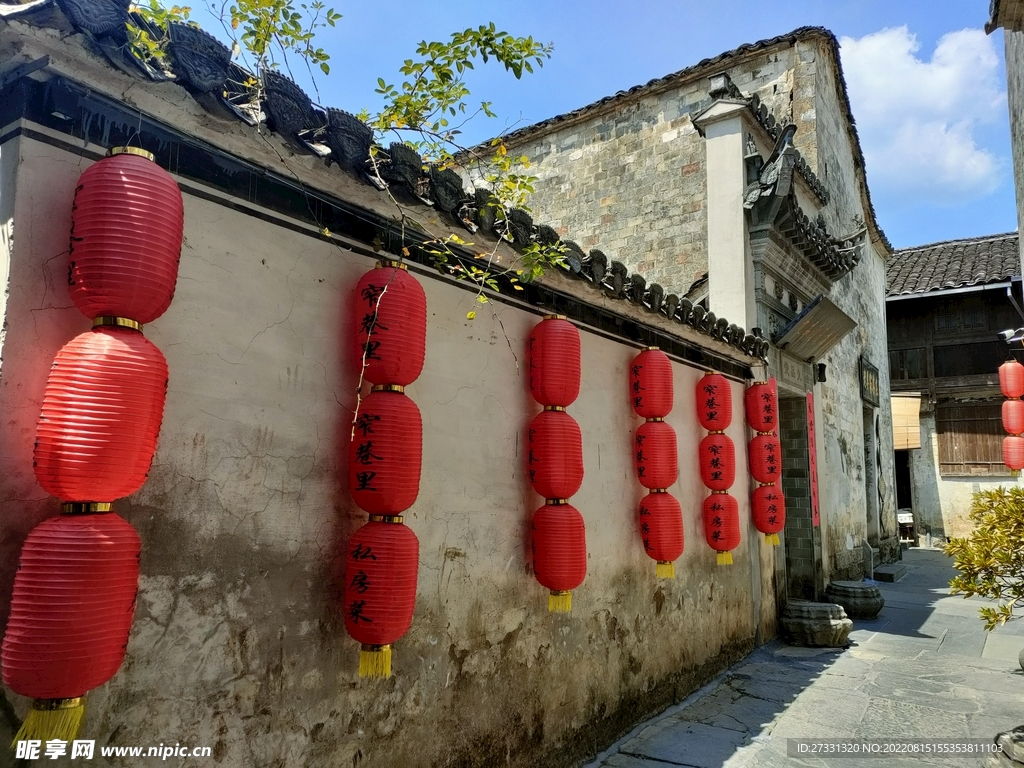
(771,200)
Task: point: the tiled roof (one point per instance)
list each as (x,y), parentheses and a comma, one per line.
(710,66)
(953,264)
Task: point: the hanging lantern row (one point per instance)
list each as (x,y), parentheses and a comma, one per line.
(768,506)
(74,591)
(656,458)
(384,463)
(717,456)
(1011,382)
(555,461)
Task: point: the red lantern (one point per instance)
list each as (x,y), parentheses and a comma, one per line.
(717,455)
(559,543)
(1013,452)
(766,459)
(761,403)
(126,229)
(1013,416)
(768,506)
(655,454)
(74,596)
(722,525)
(1011,378)
(555,456)
(661,529)
(390,325)
(382,563)
(714,402)
(555,361)
(650,384)
(386,452)
(101,416)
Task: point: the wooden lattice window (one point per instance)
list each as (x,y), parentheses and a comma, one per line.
(970,438)
(907,364)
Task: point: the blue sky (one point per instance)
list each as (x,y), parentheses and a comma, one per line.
(928,96)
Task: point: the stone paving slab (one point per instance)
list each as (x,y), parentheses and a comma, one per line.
(1003,647)
(685,743)
(920,670)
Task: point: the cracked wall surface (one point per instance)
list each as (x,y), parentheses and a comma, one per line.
(236,644)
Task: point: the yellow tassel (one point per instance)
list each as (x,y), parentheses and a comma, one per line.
(773,539)
(560,602)
(665,569)
(375,661)
(52,719)
(725,558)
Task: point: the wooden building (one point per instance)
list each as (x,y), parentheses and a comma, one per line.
(946,304)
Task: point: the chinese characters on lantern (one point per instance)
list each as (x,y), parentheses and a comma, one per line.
(717,457)
(384,461)
(656,458)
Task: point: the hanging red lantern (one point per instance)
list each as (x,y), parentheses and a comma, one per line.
(74,596)
(555,361)
(766,459)
(651,388)
(768,507)
(1013,416)
(761,403)
(661,530)
(390,325)
(555,455)
(386,452)
(714,402)
(559,543)
(1013,452)
(382,563)
(717,456)
(1011,379)
(722,525)
(101,415)
(126,231)
(655,454)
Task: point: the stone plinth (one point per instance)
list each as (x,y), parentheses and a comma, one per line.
(822,625)
(859,600)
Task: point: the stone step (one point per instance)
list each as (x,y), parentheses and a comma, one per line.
(890,572)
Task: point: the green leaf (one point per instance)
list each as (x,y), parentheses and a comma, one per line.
(470,315)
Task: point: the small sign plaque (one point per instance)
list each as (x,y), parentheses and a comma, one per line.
(869,386)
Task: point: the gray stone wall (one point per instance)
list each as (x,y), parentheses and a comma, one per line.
(631,182)
(1015,92)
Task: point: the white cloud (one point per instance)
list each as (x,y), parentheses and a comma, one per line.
(917,119)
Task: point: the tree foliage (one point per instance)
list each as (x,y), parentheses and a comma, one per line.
(991,559)
(427,110)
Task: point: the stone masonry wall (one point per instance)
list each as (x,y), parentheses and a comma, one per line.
(632,183)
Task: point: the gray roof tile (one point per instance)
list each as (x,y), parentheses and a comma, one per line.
(953,264)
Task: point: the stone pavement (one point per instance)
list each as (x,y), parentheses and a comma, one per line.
(924,668)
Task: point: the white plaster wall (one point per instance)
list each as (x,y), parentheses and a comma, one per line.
(236,644)
(942,502)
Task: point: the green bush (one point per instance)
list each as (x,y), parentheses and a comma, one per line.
(991,559)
